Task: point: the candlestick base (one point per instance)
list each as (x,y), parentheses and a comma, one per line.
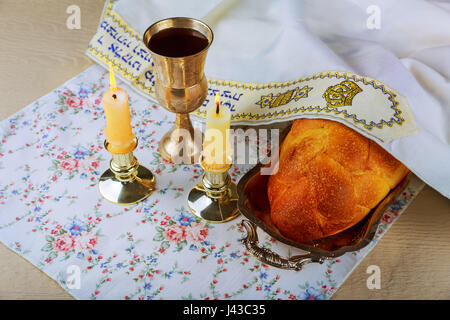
(126,181)
(214,199)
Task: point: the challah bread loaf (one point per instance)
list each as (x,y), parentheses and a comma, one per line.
(329,178)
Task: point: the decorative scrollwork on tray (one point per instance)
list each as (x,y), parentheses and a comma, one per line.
(271,258)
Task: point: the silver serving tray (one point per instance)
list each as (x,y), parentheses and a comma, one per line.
(254,204)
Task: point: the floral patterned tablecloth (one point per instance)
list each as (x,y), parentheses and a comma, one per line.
(51,156)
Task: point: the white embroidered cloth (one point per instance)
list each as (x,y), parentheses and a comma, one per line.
(51,156)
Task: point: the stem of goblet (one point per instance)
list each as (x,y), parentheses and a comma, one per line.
(183,121)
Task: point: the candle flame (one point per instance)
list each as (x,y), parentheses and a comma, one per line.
(217,102)
(217,98)
(112,79)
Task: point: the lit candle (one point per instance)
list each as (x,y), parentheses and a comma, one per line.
(118,118)
(216,155)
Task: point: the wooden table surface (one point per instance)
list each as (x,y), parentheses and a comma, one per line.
(38,53)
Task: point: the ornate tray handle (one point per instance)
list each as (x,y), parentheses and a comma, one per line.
(269,257)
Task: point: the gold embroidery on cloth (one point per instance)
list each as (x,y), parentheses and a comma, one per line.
(341,94)
(284,97)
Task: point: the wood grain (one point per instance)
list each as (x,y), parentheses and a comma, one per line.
(38,53)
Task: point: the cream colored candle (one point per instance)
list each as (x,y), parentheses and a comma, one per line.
(216,148)
(118,129)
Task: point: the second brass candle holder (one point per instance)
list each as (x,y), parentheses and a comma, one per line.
(126,181)
(214,199)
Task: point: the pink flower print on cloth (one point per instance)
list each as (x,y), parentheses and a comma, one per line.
(196,231)
(63,243)
(86,241)
(74,102)
(175,233)
(69,164)
(89,164)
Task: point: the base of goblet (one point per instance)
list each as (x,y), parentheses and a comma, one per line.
(181,145)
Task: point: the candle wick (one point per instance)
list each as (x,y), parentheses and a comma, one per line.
(114,96)
(217,108)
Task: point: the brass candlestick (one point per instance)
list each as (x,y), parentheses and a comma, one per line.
(126,181)
(214,199)
(181,87)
